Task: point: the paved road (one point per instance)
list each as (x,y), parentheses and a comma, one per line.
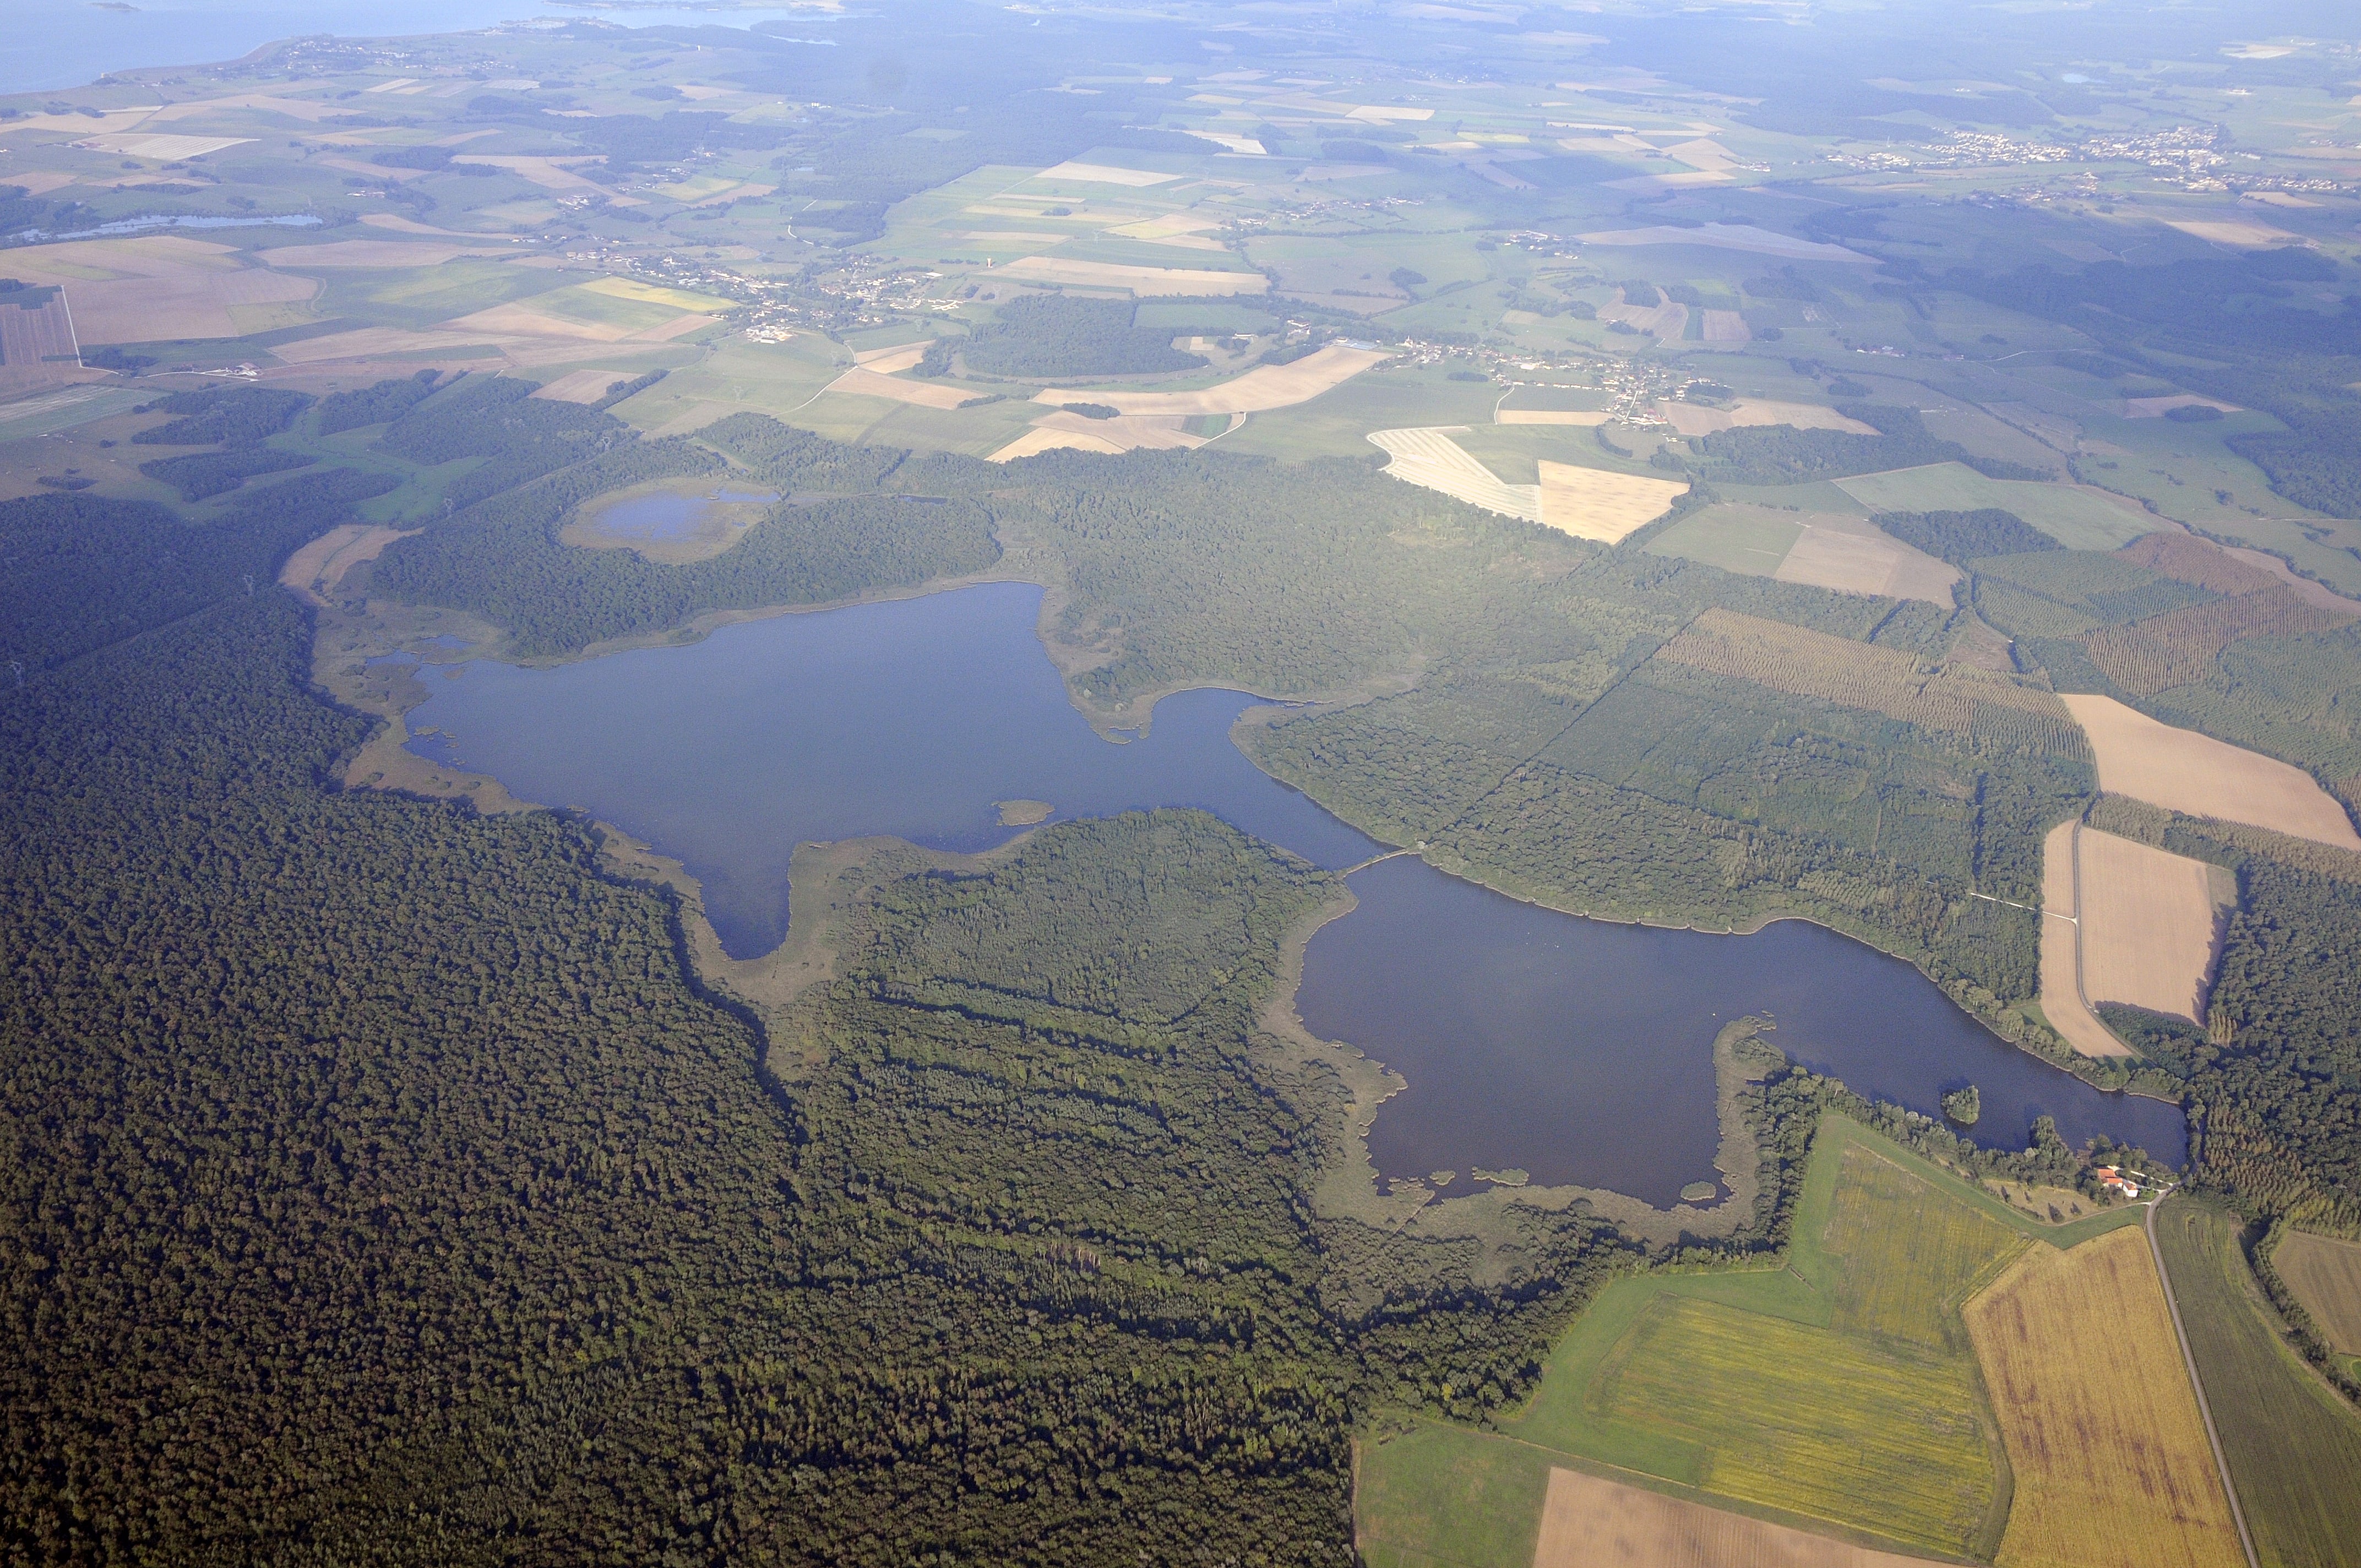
(2237,1514)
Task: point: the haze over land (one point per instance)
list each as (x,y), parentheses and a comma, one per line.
(1206,997)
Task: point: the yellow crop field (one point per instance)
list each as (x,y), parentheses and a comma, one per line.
(650,294)
(1594,503)
(2112,1464)
(1264,387)
(1855,558)
(1587,1522)
(1907,1282)
(1961,700)
(1820,1420)
(2062,1002)
(2325,1274)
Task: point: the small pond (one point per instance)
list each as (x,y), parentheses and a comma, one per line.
(668,514)
(1581,1051)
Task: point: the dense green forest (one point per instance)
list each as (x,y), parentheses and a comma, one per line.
(1053,334)
(1785,455)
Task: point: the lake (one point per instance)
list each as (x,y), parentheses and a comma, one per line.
(1581,1051)
(1578,1050)
(914,717)
(668,514)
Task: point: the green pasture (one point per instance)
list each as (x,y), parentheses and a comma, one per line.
(1737,537)
(2293,1445)
(1337,424)
(2076,519)
(1837,1392)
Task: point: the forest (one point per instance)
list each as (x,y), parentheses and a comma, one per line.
(1053,335)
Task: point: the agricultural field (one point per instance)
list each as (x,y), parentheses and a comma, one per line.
(1703,1382)
(2293,1445)
(2148,924)
(2184,771)
(2076,517)
(1590,1522)
(2324,1272)
(2111,1466)
(2063,1004)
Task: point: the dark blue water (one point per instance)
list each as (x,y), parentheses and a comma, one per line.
(909,719)
(1581,1051)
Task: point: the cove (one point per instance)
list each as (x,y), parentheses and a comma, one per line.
(1581,1051)
(912,718)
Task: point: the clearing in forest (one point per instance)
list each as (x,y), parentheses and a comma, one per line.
(2325,1274)
(2111,1466)
(2197,775)
(2062,1002)
(2149,923)
(316,569)
(1957,698)
(1262,388)
(1587,1522)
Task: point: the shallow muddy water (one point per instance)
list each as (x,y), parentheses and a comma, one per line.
(1581,1050)
(1577,1050)
(912,718)
(667,514)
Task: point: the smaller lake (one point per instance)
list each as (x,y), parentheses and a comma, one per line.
(1581,1050)
(914,717)
(665,514)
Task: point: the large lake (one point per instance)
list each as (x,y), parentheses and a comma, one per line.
(911,717)
(1581,1051)
(1577,1050)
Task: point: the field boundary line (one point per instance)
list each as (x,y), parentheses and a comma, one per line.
(2197,1384)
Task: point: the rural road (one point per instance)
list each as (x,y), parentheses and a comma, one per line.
(2229,1487)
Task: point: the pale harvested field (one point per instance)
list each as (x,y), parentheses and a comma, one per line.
(314,570)
(552,174)
(2062,1002)
(2148,924)
(2325,1274)
(1105,174)
(581,386)
(861,381)
(1727,326)
(655,294)
(1696,419)
(293,108)
(2233,232)
(1587,1522)
(41,183)
(1042,438)
(1552,416)
(382,342)
(664,332)
(1154,432)
(521,320)
(1592,503)
(1854,557)
(1429,458)
(1144,281)
(399,224)
(167,148)
(2112,1464)
(1264,387)
(886,361)
(379,254)
(1666,319)
(113,119)
(200,305)
(37,346)
(2197,775)
(157,288)
(2320,596)
(2157,408)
